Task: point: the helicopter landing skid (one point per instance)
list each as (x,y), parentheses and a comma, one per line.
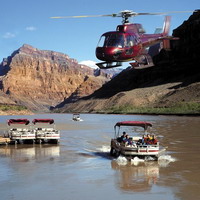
(142,62)
(137,65)
(107,65)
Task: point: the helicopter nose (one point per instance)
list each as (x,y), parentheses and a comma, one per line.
(117,53)
(108,54)
(101,54)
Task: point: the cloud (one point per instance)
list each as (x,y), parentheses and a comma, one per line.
(31,28)
(9,35)
(89,63)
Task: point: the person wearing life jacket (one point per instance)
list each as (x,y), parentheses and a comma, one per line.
(148,139)
(154,140)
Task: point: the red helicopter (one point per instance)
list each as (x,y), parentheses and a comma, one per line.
(130,42)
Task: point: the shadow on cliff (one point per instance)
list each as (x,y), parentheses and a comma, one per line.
(4,68)
(5,64)
(131,79)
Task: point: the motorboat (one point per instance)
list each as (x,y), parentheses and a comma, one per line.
(45,131)
(133,144)
(20,131)
(76,117)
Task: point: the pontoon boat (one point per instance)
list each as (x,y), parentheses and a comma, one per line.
(20,133)
(45,131)
(134,145)
(76,117)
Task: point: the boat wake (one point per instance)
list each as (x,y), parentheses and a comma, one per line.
(121,160)
(104,151)
(81,120)
(163,161)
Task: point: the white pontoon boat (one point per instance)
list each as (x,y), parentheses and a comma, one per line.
(45,131)
(134,145)
(19,133)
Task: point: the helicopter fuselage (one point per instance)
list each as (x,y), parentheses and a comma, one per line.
(121,45)
(128,42)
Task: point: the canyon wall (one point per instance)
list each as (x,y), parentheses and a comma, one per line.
(41,79)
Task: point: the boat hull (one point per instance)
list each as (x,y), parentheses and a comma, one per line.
(47,135)
(134,150)
(21,135)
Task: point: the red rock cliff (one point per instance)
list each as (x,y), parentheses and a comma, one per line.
(40,79)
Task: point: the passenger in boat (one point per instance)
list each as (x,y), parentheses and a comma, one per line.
(122,138)
(153,140)
(148,139)
(144,139)
(128,140)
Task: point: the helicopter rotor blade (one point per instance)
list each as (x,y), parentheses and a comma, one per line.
(123,14)
(164,13)
(81,16)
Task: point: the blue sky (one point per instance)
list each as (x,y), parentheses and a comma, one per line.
(29,22)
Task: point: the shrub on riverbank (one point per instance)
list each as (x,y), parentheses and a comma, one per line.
(178,108)
(8,107)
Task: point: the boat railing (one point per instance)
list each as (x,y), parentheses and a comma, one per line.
(148,145)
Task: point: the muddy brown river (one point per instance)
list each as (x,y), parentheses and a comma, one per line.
(80,167)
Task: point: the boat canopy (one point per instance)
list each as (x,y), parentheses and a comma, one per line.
(18,121)
(49,121)
(145,125)
(76,114)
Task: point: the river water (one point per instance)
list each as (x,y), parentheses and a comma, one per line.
(80,166)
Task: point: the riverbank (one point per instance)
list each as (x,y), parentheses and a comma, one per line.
(7,109)
(176,109)
(170,98)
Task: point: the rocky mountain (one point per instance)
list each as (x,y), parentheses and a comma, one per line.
(174,79)
(40,79)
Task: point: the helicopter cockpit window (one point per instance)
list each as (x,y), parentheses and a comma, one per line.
(111,40)
(102,41)
(115,40)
